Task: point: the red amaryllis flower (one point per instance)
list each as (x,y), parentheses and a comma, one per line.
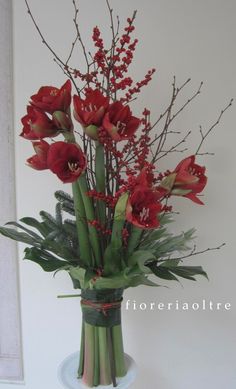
(91,110)
(51,99)
(187,180)
(39,160)
(119,122)
(36,125)
(143,207)
(66,160)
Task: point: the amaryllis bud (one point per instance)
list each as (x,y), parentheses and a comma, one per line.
(91,131)
(39,160)
(66,160)
(62,120)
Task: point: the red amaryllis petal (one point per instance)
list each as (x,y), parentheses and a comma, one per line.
(188,179)
(39,160)
(143,208)
(51,99)
(119,122)
(185,163)
(66,160)
(91,110)
(194,198)
(37,125)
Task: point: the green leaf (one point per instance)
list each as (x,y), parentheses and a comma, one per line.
(139,258)
(170,263)
(77,273)
(112,260)
(141,280)
(117,281)
(162,272)
(68,207)
(40,226)
(76,283)
(18,236)
(27,230)
(63,196)
(49,220)
(58,214)
(188,272)
(172,244)
(47,261)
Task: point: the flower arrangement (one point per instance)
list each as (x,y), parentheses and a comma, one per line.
(117,236)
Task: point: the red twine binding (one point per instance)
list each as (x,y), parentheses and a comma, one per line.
(102,307)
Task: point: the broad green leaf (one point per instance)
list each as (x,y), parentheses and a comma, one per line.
(112,260)
(76,283)
(170,263)
(40,226)
(49,220)
(18,236)
(140,257)
(188,272)
(117,281)
(162,272)
(27,230)
(141,280)
(77,273)
(44,259)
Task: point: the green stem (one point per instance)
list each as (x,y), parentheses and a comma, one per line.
(118,348)
(89,355)
(89,211)
(100,179)
(112,356)
(81,223)
(133,240)
(96,380)
(105,371)
(81,359)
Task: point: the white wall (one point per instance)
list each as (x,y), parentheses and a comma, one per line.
(174,350)
(10,348)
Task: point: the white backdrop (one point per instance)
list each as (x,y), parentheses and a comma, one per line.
(174,349)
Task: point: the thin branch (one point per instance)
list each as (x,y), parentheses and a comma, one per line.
(187,102)
(77,35)
(174,148)
(194,252)
(57,59)
(167,109)
(204,136)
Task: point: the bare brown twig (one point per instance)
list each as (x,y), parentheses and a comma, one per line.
(194,252)
(57,59)
(204,136)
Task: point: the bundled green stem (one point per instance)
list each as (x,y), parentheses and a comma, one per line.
(101,355)
(90,216)
(82,227)
(100,180)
